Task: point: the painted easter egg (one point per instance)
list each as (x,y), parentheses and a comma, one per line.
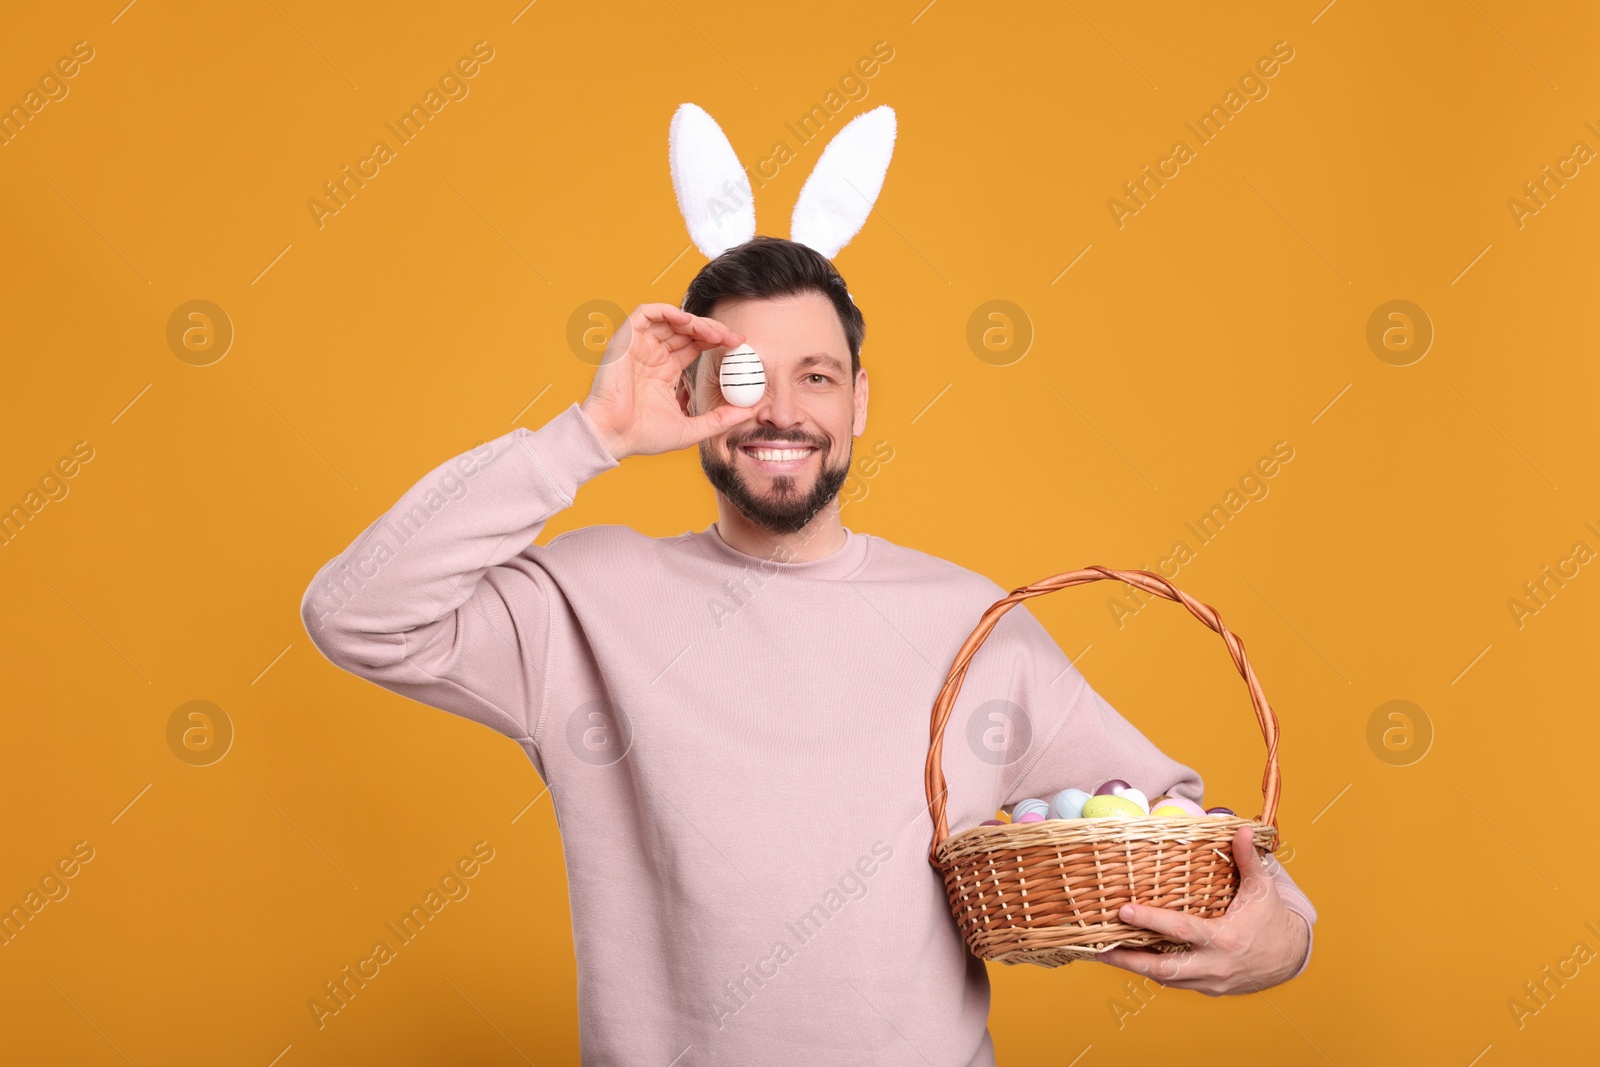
(1184,806)
(1032,816)
(993,822)
(1111,787)
(1111,806)
(1002,816)
(1136,796)
(1068,804)
(1024,807)
(742,376)
(1221,811)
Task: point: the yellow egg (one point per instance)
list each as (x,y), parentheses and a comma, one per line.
(1111,806)
(1003,816)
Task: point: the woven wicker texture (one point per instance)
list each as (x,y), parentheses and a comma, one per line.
(1048,892)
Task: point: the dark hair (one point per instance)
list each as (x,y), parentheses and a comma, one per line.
(772,266)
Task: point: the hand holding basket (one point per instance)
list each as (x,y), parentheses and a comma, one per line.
(1049,892)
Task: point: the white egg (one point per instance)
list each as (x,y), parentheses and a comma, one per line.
(1031,804)
(1135,795)
(1068,804)
(742,377)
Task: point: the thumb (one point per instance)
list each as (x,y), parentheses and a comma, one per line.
(1254,880)
(719,419)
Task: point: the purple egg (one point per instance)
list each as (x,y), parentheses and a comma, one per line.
(1111,787)
(1221,811)
(992,822)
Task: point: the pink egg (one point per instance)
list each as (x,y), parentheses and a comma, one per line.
(1189,807)
(1032,816)
(1111,787)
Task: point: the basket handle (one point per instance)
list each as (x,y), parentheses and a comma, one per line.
(1150,583)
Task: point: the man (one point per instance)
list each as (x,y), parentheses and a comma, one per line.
(733,723)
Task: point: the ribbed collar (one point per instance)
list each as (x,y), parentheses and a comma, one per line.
(840,564)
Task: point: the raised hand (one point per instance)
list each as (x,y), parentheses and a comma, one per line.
(632,401)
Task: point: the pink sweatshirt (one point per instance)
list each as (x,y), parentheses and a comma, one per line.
(734,747)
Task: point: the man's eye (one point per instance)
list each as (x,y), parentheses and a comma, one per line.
(816,374)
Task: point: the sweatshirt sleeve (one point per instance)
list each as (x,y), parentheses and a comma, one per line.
(1080,741)
(1295,899)
(436,599)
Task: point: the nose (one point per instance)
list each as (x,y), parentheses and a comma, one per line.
(779,414)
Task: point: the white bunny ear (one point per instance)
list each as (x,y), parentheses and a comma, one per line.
(838,196)
(713,190)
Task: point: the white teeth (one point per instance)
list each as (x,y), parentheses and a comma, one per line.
(779,455)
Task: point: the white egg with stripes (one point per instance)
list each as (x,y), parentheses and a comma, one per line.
(742,377)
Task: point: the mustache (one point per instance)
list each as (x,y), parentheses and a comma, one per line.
(778,440)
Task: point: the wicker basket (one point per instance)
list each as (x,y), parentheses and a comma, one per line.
(1048,892)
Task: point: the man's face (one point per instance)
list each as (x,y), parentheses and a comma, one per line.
(786,463)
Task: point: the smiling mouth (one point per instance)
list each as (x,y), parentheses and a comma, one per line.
(770,457)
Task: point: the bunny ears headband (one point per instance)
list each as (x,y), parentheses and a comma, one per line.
(717,204)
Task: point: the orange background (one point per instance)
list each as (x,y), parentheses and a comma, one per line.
(1229,313)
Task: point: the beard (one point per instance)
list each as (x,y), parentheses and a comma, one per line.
(785,509)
